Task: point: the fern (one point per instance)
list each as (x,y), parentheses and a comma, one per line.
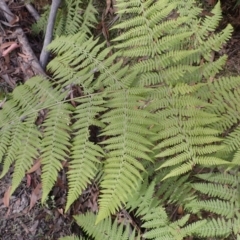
(161,111)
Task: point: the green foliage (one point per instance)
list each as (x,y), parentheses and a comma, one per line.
(161,111)
(237,3)
(106,229)
(71,15)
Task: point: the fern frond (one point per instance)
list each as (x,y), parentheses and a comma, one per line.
(27,152)
(224,96)
(106,229)
(175,230)
(42,89)
(233,141)
(214,228)
(89,17)
(10,150)
(210,23)
(176,190)
(125,147)
(41,24)
(210,69)
(216,42)
(84,154)
(215,190)
(223,208)
(179,139)
(21,135)
(9,122)
(220,178)
(65,66)
(154,216)
(55,144)
(71,18)
(190,229)
(142,199)
(80,58)
(236,226)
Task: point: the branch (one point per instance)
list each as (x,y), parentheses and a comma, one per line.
(49,32)
(32,11)
(10,49)
(22,39)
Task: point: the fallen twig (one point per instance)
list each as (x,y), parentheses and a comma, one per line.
(22,39)
(32,11)
(10,49)
(6,11)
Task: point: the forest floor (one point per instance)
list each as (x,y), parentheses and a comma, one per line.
(22,216)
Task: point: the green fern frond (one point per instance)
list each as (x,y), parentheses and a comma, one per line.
(190,229)
(178,143)
(224,208)
(148,9)
(9,122)
(182,169)
(42,89)
(210,69)
(41,24)
(72,17)
(5,139)
(55,144)
(84,153)
(215,190)
(89,17)
(155,219)
(215,228)
(80,58)
(66,66)
(15,134)
(21,135)
(236,158)
(233,141)
(220,178)
(219,91)
(125,147)
(176,190)
(190,9)
(142,199)
(106,229)
(210,23)
(175,230)
(236,226)
(154,216)
(216,41)
(27,152)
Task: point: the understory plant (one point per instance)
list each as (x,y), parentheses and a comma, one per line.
(167,121)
